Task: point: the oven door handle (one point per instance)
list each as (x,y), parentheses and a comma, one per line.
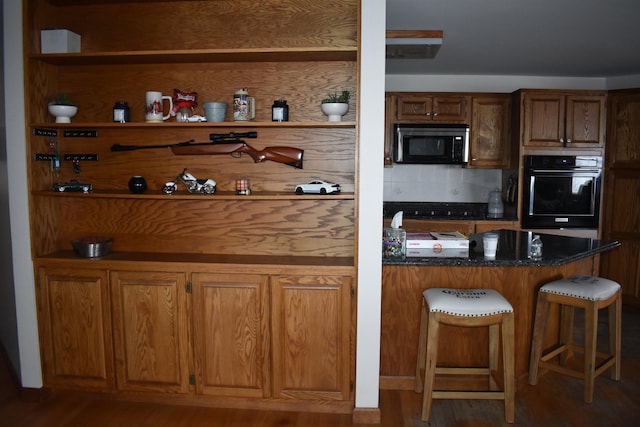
(567,171)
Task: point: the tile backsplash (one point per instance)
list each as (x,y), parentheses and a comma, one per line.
(439,183)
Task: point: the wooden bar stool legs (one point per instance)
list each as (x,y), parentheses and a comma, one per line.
(466,308)
(591,294)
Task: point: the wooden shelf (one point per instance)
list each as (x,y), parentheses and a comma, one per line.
(284,54)
(183,195)
(250,124)
(199,258)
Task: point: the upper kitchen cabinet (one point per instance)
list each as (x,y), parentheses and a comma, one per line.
(561,119)
(429,107)
(490,141)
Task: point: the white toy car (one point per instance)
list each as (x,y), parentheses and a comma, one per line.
(318,187)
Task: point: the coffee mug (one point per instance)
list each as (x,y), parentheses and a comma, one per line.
(244,106)
(153,107)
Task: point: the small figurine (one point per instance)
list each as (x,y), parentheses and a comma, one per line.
(206,186)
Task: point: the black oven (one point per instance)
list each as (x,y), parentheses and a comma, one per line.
(561,191)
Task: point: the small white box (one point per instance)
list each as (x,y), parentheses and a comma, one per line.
(453,239)
(59,41)
(437,252)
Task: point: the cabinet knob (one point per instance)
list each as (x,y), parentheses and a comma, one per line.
(562,140)
(428,113)
(435,114)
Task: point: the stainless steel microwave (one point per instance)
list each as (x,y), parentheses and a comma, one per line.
(431,144)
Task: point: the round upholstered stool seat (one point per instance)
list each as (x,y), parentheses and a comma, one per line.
(466,302)
(584,287)
(591,294)
(466,308)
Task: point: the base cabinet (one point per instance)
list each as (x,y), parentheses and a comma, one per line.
(282,336)
(74,318)
(150,330)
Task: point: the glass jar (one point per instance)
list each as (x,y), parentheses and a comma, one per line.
(280,111)
(121,112)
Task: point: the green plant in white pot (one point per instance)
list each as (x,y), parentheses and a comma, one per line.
(336,105)
(62,108)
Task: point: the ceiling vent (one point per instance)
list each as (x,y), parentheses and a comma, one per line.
(413,44)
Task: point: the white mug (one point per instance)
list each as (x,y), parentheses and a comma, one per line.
(153,107)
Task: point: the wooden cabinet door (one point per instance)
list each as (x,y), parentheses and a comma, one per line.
(544,119)
(621,194)
(585,121)
(75,328)
(231,334)
(311,318)
(150,331)
(490,138)
(429,108)
(450,109)
(414,108)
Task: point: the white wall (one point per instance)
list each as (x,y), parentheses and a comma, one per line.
(30,372)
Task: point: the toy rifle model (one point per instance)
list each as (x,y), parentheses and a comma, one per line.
(227,143)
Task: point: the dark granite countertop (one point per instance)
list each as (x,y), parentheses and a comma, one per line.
(513,249)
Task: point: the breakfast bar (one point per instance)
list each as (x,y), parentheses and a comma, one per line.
(512,273)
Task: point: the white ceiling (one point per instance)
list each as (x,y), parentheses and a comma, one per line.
(570,38)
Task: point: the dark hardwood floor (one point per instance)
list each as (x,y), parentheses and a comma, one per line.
(555,401)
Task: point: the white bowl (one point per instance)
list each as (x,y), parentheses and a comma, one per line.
(63,113)
(335,110)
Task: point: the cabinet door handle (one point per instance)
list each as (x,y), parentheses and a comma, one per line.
(435,114)
(428,113)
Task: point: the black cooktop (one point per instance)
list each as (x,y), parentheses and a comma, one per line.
(435,210)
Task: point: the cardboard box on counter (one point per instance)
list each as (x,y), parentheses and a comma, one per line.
(59,41)
(453,239)
(438,252)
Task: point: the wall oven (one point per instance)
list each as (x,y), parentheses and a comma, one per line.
(561,191)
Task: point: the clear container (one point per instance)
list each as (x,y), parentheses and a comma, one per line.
(536,247)
(394,243)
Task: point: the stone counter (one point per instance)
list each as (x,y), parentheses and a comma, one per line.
(513,251)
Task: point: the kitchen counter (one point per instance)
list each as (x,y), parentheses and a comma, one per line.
(512,274)
(513,250)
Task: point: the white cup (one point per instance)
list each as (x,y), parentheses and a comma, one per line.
(215,111)
(490,244)
(153,107)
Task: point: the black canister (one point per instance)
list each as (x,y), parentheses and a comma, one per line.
(137,185)
(121,113)
(280,111)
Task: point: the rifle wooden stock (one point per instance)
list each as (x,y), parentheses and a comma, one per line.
(286,155)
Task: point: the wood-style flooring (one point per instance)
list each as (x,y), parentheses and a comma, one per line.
(555,401)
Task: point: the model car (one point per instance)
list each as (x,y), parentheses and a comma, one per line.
(73,186)
(317,186)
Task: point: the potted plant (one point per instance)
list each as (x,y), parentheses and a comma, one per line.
(336,105)
(62,107)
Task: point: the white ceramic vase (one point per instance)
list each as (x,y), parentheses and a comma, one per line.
(335,110)
(63,113)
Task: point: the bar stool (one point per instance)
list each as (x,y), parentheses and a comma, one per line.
(466,308)
(591,293)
